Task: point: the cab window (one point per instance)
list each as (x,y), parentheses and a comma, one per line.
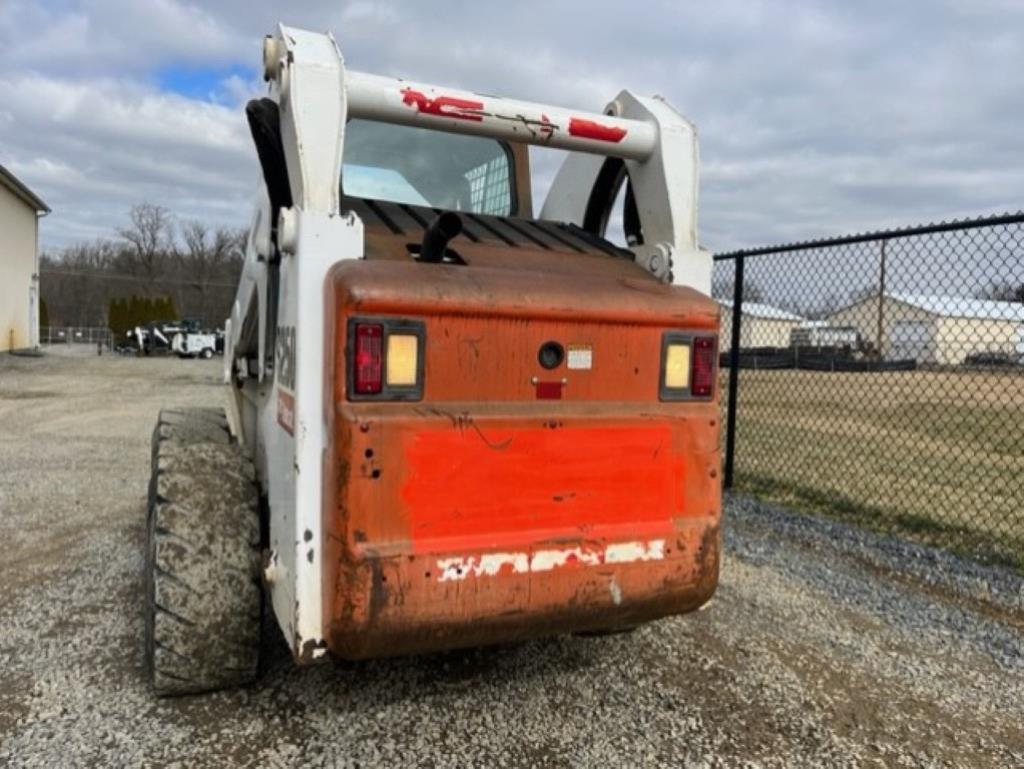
(421,167)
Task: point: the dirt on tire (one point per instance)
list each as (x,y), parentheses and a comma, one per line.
(203,596)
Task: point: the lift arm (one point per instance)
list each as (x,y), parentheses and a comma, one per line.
(658,145)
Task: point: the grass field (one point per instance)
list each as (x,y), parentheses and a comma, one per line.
(936,456)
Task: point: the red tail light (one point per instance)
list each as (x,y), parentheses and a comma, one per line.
(702,382)
(368,363)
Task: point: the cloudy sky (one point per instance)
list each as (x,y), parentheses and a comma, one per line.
(815,117)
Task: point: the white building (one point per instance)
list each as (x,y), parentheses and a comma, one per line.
(20,210)
(762,325)
(936,329)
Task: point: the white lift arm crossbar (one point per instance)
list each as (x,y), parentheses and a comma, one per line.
(393,100)
(657,144)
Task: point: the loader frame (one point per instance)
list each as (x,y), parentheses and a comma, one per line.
(277,362)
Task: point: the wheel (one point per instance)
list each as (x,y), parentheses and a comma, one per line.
(203,595)
(188,425)
(207,353)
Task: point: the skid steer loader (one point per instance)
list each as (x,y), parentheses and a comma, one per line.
(449,422)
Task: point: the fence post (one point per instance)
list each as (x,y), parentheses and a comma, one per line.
(881,302)
(734,372)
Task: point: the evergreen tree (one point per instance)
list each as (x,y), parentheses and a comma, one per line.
(135,311)
(170,309)
(123,320)
(117,317)
(113,322)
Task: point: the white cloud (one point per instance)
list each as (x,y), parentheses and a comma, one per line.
(92,149)
(815,116)
(362,11)
(113,37)
(237,90)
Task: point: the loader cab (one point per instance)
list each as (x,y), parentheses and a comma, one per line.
(454,172)
(414,166)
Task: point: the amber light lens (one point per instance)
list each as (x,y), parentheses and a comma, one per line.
(369,338)
(402,359)
(677,366)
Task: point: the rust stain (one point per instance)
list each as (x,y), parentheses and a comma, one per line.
(380,592)
(708,553)
(474,345)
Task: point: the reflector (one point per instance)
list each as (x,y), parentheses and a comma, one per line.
(367,363)
(703,367)
(402,357)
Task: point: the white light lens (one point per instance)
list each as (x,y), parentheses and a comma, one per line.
(402,356)
(677,366)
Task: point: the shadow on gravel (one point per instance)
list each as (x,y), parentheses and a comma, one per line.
(431,673)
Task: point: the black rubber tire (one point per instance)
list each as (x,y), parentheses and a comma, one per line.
(207,353)
(203,594)
(188,425)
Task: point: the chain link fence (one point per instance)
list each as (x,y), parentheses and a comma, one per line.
(879,378)
(77,335)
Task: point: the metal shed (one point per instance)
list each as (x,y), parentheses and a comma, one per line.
(763,325)
(20,210)
(936,329)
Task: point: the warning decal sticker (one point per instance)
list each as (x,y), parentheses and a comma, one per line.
(580,356)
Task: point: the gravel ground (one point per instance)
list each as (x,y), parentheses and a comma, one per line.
(825,645)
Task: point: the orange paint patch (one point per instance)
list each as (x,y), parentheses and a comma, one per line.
(475,489)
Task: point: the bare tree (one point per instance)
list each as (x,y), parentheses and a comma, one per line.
(197,265)
(1004,292)
(149,240)
(726,289)
(208,259)
(70,287)
(864,292)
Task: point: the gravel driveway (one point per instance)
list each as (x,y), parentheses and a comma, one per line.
(824,645)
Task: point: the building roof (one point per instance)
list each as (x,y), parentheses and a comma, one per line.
(758,310)
(962,307)
(11,182)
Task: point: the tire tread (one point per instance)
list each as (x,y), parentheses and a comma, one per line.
(203,596)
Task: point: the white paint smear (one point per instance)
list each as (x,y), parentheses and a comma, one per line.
(627,552)
(487,565)
(491,564)
(616,591)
